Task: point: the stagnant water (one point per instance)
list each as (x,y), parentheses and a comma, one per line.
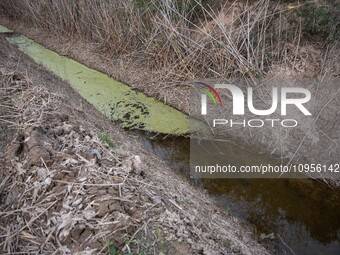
(115,100)
(293,216)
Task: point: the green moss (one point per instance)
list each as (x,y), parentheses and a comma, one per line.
(115,100)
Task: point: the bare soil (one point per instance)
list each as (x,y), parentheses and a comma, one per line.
(63,190)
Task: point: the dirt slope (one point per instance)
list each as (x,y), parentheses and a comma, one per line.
(65,190)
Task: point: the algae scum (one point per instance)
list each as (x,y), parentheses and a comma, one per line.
(115,100)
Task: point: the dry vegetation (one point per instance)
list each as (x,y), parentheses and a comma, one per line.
(65,190)
(189,39)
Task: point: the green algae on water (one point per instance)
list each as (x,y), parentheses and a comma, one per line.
(115,100)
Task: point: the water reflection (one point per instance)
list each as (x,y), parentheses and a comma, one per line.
(303,214)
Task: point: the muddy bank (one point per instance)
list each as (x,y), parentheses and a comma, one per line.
(71,182)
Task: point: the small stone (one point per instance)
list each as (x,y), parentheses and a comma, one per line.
(48,181)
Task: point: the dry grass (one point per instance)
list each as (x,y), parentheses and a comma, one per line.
(184,39)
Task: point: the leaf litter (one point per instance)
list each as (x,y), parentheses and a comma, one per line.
(65,191)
